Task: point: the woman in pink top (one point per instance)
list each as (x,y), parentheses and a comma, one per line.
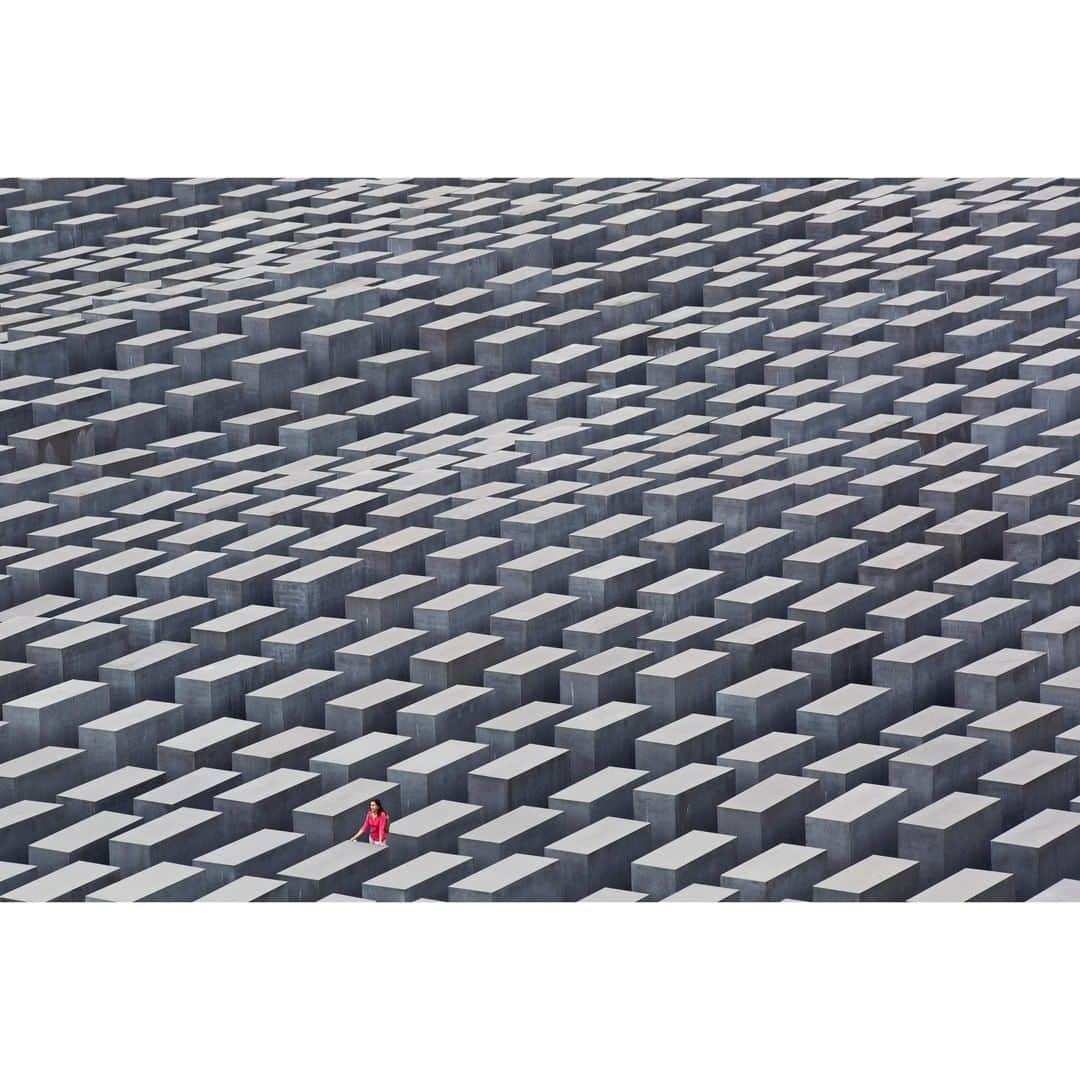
(376,824)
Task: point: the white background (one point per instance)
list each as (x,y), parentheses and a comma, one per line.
(667,88)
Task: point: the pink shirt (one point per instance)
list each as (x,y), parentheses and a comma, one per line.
(379,826)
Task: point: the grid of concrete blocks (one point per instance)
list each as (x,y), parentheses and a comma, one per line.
(687,540)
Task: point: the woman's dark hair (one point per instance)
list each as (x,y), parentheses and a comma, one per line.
(379,804)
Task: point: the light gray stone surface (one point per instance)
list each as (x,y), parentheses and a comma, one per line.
(628,540)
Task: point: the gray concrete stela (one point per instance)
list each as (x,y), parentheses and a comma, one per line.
(629,539)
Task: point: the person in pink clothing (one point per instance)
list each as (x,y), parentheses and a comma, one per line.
(376,824)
